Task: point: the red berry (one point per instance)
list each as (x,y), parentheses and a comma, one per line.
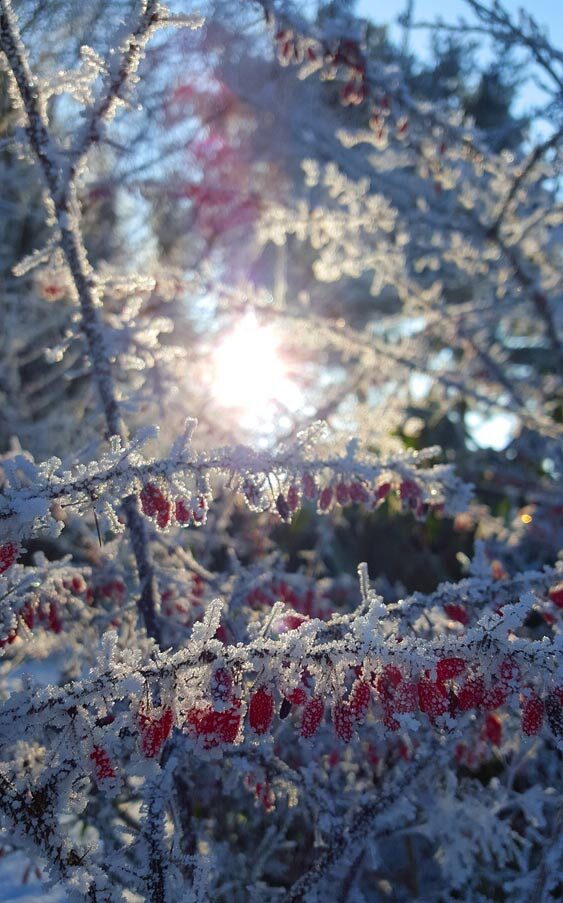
(155,504)
(556,595)
(78,584)
(103,765)
(432,698)
(342,493)
(360,698)
(457,613)
(554,712)
(154,731)
(382,491)
(27,615)
(405,698)
(410,492)
(449,668)
(182,512)
(342,720)
(214,727)
(265,795)
(358,493)
(494,697)
(298,696)
(470,694)
(292,621)
(8,555)
(222,685)
(532,715)
(309,486)
(389,679)
(389,721)
(312,716)
(325,498)
(199,510)
(261,710)
(509,672)
(492,730)
(53,618)
(293,497)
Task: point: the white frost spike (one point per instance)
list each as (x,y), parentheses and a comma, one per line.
(205,630)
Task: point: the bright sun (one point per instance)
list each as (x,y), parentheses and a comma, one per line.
(251,376)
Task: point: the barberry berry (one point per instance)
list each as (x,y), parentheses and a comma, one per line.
(360,697)
(554,712)
(556,595)
(449,668)
(432,698)
(182,512)
(325,498)
(312,716)
(8,555)
(492,730)
(155,504)
(342,721)
(358,493)
(103,767)
(532,715)
(154,730)
(457,612)
(309,486)
(470,694)
(293,497)
(261,710)
(214,728)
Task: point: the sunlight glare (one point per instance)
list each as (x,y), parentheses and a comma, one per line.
(251,376)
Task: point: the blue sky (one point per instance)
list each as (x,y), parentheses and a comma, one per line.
(548,14)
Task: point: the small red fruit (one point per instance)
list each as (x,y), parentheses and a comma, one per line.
(360,698)
(532,715)
(432,698)
(457,613)
(312,716)
(449,668)
(103,766)
(492,730)
(342,720)
(261,710)
(556,595)
(8,555)
(154,731)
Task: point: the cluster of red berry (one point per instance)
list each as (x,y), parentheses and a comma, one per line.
(44,610)
(453,688)
(156,504)
(344,493)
